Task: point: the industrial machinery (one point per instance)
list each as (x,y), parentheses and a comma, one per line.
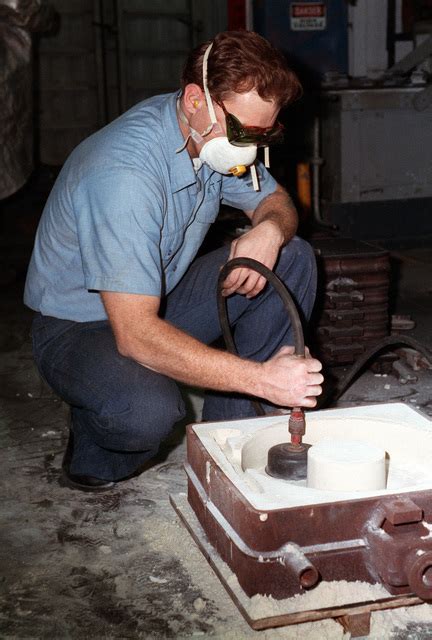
(283,539)
(365,139)
(352,308)
(272,528)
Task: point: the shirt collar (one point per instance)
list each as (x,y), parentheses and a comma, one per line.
(180,165)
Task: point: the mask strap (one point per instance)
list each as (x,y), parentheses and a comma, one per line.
(180,113)
(209,101)
(185,121)
(266,157)
(193,133)
(254,175)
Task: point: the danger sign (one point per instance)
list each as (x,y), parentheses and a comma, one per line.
(308,16)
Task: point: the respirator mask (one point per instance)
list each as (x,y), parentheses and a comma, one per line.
(223,157)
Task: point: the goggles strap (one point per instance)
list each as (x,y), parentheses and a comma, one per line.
(254,175)
(267,157)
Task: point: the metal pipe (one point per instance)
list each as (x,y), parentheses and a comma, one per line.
(316,162)
(418,568)
(290,555)
(100,55)
(249,16)
(121,66)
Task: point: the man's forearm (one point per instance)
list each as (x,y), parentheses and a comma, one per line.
(274,224)
(141,335)
(284,380)
(166,349)
(279,209)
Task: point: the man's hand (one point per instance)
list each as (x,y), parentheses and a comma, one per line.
(292,381)
(274,223)
(261,243)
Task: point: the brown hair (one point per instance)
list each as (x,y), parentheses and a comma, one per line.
(241,61)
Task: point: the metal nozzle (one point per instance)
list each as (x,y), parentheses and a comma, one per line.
(297,426)
(289,460)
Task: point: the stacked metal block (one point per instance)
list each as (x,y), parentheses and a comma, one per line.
(352,312)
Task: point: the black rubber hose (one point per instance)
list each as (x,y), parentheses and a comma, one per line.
(279,286)
(299,346)
(370,353)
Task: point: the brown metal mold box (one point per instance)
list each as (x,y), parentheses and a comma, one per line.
(284,551)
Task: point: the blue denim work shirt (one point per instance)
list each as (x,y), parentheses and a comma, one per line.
(128,214)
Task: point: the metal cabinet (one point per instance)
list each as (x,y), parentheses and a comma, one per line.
(376,176)
(375,145)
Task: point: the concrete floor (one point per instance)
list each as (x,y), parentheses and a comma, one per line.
(120,564)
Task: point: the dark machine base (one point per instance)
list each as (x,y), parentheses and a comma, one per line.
(393,223)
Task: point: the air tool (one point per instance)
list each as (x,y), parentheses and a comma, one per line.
(287,460)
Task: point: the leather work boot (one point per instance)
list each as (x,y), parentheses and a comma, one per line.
(81,482)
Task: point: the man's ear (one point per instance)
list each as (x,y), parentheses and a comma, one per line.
(193,98)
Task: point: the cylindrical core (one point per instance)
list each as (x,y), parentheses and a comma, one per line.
(344,465)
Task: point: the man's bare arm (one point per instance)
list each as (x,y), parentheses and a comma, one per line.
(274,223)
(141,335)
(279,209)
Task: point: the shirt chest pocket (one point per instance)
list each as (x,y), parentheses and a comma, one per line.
(209,201)
(192,229)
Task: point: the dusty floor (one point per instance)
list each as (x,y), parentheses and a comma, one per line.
(120,564)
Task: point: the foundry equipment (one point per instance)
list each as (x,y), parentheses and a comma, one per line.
(287,459)
(375,141)
(281,538)
(282,535)
(352,308)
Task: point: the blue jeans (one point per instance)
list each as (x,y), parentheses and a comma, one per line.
(122,411)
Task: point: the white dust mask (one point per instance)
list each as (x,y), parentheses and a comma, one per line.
(223,157)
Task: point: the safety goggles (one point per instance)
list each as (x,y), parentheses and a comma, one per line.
(241,135)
